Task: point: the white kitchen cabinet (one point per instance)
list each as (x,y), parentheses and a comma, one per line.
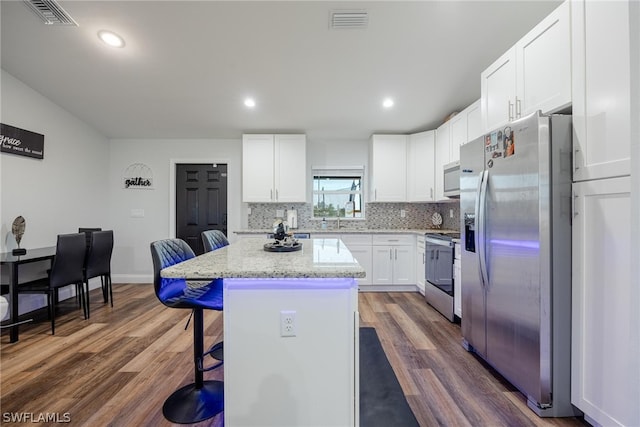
(393,259)
(474,120)
(605,373)
(388,168)
(464,127)
(420,162)
(442,156)
(274,168)
(360,247)
(535,74)
(458,135)
(601,89)
(420,264)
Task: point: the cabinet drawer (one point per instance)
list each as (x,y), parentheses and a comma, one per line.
(393,239)
(356,239)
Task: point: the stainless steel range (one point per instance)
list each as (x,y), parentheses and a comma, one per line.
(439,272)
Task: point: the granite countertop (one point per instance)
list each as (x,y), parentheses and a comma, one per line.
(319,258)
(352,231)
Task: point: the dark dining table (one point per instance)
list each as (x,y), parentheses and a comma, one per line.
(13,262)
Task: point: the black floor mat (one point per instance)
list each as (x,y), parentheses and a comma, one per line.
(382,402)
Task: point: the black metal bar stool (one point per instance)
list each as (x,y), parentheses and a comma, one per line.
(202,399)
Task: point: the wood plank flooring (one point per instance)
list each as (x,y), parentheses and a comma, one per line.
(117,368)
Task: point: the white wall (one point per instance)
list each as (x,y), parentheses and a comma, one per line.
(131,260)
(65,190)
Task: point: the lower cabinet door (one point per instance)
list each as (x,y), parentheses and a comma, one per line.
(605,342)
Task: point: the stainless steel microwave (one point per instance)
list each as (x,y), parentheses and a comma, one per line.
(452,179)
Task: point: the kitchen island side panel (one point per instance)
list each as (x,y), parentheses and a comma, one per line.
(307,379)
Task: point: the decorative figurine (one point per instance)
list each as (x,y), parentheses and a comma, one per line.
(17,229)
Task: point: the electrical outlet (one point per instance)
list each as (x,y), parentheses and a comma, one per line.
(279,213)
(450,213)
(403,213)
(287,323)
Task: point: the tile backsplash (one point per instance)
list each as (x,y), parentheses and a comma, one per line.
(378,216)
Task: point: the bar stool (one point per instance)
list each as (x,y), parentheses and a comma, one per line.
(202,399)
(212,240)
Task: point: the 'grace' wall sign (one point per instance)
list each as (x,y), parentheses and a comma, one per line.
(138,176)
(21,142)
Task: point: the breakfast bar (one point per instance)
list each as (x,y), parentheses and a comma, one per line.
(290,331)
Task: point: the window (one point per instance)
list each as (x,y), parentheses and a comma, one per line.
(338,192)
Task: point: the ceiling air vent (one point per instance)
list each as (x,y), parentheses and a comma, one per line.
(348,19)
(50,12)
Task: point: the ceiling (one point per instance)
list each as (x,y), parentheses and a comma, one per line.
(188,65)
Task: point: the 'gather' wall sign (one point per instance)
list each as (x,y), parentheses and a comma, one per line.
(137,176)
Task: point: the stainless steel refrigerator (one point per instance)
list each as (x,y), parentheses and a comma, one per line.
(515,207)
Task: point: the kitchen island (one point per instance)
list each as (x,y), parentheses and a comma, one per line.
(290,331)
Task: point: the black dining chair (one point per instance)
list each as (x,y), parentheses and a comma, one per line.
(87,231)
(98,264)
(66,270)
(213,239)
(202,399)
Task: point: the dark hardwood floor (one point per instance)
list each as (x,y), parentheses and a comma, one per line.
(117,368)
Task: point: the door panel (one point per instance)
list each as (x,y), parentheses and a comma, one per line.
(201,201)
(515,191)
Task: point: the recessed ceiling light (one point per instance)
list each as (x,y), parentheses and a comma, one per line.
(387,103)
(111,38)
(250,102)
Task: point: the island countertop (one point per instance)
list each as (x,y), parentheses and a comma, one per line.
(319,258)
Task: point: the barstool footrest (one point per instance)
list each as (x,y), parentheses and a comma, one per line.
(189,404)
(216,351)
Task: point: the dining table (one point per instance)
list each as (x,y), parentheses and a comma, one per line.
(13,263)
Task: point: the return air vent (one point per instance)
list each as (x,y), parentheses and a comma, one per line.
(339,19)
(50,12)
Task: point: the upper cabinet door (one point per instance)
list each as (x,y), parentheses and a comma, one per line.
(257,168)
(543,61)
(290,168)
(388,168)
(601,79)
(474,121)
(498,88)
(443,151)
(420,163)
(458,136)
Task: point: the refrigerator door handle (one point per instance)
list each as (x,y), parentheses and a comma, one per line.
(481,245)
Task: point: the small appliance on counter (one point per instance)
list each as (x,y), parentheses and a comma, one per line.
(292,218)
(284,241)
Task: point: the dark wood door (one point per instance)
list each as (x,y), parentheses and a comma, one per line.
(201,201)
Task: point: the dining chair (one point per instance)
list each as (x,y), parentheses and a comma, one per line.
(213,239)
(66,270)
(87,231)
(202,399)
(98,264)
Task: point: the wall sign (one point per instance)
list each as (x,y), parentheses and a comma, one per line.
(137,176)
(21,142)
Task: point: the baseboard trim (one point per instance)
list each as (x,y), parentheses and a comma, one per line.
(132,278)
